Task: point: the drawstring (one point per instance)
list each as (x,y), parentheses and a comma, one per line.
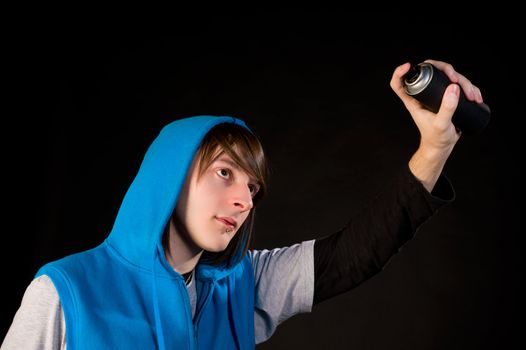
(158,322)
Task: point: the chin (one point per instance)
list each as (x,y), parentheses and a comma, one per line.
(215,247)
(214,250)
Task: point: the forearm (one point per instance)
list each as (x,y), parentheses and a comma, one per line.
(427,164)
(363,247)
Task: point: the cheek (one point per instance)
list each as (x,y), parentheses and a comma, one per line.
(209,192)
(204,200)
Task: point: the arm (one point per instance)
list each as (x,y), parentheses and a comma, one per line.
(39,322)
(363,247)
(284,282)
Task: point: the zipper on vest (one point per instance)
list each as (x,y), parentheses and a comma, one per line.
(189,321)
(200,308)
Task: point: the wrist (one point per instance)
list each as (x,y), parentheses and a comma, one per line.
(434,154)
(427,163)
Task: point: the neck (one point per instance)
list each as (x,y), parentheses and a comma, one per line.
(180,251)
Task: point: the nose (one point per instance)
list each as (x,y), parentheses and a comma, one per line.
(242,198)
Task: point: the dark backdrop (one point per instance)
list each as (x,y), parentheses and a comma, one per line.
(90,98)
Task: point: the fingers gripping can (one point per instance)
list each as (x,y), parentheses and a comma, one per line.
(427,84)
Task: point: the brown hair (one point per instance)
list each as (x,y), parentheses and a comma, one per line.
(245,149)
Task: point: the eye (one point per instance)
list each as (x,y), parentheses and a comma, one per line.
(253,189)
(224,173)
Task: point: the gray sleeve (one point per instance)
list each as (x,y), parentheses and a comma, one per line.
(284,281)
(39,322)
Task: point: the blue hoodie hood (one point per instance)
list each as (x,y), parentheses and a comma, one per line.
(151,198)
(124,294)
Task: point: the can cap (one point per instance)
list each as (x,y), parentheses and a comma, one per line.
(418,77)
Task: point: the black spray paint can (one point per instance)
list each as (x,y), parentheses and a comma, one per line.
(427,84)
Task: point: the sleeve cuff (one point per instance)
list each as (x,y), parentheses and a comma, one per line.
(443,192)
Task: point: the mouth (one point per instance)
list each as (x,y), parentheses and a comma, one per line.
(230,223)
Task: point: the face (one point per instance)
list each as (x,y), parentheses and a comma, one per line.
(213,207)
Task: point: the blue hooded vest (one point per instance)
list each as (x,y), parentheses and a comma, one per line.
(123,294)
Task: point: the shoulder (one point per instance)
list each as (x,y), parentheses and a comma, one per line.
(283,254)
(41,290)
(76,263)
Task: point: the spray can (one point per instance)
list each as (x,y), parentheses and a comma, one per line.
(427,84)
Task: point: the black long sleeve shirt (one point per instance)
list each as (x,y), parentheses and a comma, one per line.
(363,247)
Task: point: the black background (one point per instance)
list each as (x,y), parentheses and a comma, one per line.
(89,97)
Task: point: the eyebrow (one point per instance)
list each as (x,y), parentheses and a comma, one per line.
(229,162)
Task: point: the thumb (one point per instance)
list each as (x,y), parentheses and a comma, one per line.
(449,101)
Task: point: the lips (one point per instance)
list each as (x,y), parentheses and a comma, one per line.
(230,222)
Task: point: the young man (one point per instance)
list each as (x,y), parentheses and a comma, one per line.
(177,271)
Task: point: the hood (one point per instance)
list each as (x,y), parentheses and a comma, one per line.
(151,198)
